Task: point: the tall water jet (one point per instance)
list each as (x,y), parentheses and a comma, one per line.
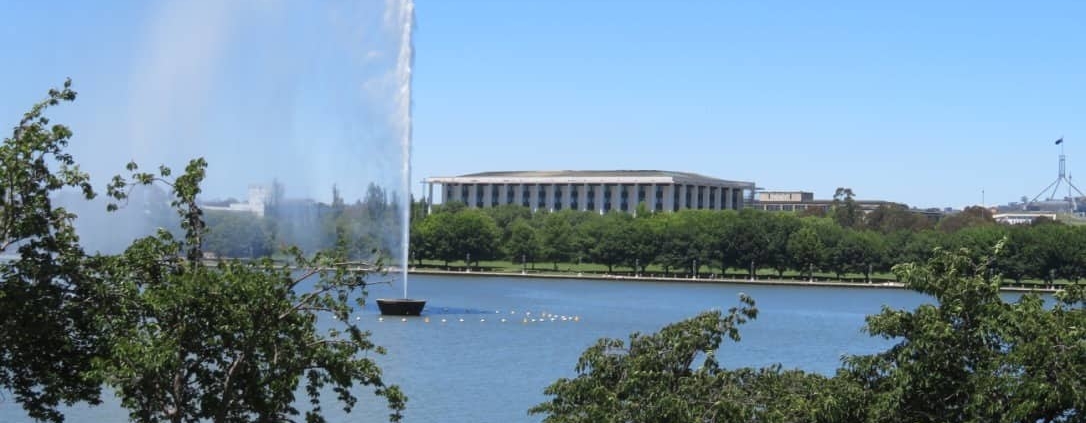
(405,20)
(301,109)
(404,67)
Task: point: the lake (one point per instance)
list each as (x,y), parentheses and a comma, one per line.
(476,368)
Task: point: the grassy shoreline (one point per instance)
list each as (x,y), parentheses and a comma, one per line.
(762,280)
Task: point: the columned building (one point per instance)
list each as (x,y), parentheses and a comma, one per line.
(596,190)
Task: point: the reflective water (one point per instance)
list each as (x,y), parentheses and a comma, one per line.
(484,370)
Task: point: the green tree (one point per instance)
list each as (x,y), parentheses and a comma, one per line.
(887,219)
(48,297)
(504,216)
(806,249)
(557,239)
(779,228)
(476,234)
(190,342)
(644,243)
(971,216)
(610,239)
(857,252)
(677,239)
(844,209)
(673,376)
(436,233)
(750,241)
(523,245)
(719,228)
(233,234)
(971,356)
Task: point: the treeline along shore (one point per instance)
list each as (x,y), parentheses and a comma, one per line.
(840,245)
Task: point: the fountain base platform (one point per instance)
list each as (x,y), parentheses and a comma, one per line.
(400,306)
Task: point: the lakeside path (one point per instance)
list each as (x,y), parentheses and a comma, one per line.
(730,281)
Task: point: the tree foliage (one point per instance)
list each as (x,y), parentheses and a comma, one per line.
(733,240)
(233,341)
(971,356)
(47,333)
(178,339)
(674,376)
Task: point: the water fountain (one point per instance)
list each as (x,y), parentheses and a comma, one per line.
(303,112)
(404,66)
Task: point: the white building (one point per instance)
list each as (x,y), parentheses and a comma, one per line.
(258,200)
(1022,218)
(600,190)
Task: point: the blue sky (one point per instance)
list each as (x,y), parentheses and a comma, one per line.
(927,103)
(921,102)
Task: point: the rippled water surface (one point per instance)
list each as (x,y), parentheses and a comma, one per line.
(476,368)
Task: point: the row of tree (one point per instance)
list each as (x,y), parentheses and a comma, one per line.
(699,241)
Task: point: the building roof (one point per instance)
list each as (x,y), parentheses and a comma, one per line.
(587,176)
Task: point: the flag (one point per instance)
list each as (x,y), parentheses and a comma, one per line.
(1059,141)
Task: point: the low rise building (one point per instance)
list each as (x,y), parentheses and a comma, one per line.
(598,190)
(798,201)
(256,204)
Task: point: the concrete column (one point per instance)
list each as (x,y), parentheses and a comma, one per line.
(518,194)
(533,197)
(472,192)
(682,196)
(430,198)
(616,198)
(600,192)
(549,200)
(728,198)
(584,197)
(652,198)
(488,193)
(503,194)
(568,201)
(582,200)
(669,197)
(718,204)
(635,197)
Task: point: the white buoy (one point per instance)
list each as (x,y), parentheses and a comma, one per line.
(380,319)
(403,319)
(461,319)
(503,320)
(482,320)
(442,320)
